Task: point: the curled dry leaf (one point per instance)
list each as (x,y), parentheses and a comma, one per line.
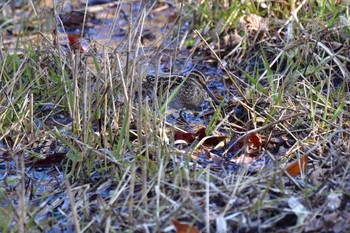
(199,135)
(185,136)
(214,140)
(190,137)
(184,228)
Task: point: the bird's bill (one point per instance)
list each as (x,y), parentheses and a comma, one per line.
(211,95)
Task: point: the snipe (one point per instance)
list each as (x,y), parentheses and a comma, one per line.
(190,91)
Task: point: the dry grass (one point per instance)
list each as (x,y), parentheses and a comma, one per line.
(285,73)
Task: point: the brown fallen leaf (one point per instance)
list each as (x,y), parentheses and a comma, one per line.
(214,140)
(296,167)
(254,141)
(74,42)
(183,228)
(190,137)
(201,133)
(185,136)
(251,144)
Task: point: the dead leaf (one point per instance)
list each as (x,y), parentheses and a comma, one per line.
(251,143)
(74,42)
(190,137)
(296,167)
(254,141)
(200,134)
(185,136)
(247,149)
(183,228)
(214,140)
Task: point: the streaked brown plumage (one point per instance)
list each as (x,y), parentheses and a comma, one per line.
(191,93)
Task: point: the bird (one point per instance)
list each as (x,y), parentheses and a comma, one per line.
(189,92)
